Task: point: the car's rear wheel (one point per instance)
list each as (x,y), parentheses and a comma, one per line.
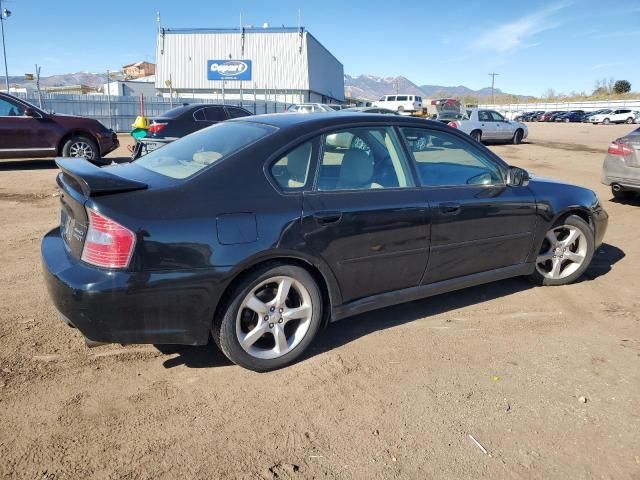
(269,318)
(606,121)
(565,254)
(517,137)
(566,120)
(81,147)
(476,135)
(400,109)
(630,120)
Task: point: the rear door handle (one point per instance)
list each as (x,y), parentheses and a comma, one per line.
(325,218)
(449,208)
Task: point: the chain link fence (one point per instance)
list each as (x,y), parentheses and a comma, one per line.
(119,113)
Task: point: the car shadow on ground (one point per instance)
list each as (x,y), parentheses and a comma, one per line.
(635,200)
(345,331)
(38,164)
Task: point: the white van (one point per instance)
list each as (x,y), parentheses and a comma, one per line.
(400,103)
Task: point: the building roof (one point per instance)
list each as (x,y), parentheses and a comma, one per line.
(250,29)
(138,64)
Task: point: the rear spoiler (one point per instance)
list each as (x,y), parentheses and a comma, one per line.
(93,180)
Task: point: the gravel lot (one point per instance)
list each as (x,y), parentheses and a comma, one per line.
(547,380)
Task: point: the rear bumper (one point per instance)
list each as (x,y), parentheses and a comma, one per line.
(131,307)
(615,170)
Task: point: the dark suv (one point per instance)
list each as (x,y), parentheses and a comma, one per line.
(28,132)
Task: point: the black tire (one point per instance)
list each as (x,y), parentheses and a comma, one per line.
(606,121)
(566,120)
(630,120)
(575,221)
(622,194)
(517,137)
(400,109)
(78,144)
(476,135)
(224,326)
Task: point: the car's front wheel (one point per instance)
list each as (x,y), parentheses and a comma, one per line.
(630,120)
(606,121)
(270,318)
(565,254)
(81,147)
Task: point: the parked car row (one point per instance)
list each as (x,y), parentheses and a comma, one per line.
(604,116)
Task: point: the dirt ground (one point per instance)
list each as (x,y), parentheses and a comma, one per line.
(395,393)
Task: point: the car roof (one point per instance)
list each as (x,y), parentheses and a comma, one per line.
(322,120)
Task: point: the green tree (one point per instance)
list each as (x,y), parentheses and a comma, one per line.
(622,86)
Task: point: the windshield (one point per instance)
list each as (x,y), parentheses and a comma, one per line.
(189,155)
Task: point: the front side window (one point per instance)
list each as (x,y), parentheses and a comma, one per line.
(363,159)
(188,155)
(496,117)
(292,171)
(484,116)
(391,98)
(10,109)
(443,159)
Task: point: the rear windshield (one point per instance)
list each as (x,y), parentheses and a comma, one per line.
(189,155)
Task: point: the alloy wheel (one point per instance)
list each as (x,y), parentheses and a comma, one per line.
(563,251)
(274,317)
(81,149)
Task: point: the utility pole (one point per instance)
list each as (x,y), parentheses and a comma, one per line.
(493,78)
(38,85)
(4,14)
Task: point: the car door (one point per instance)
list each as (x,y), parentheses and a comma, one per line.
(504,129)
(488,125)
(478,222)
(365,217)
(20,134)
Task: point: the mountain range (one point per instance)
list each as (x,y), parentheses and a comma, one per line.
(368,87)
(372,87)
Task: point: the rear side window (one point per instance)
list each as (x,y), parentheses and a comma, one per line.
(418,99)
(215,114)
(402,98)
(443,159)
(292,171)
(237,112)
(199,115)
(190,154)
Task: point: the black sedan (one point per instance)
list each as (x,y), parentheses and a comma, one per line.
(260,230)
(573,116)
(183,120)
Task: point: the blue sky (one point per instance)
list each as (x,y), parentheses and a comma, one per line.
(534,45)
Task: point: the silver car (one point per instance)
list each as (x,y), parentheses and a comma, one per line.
(490,125)
(621,168)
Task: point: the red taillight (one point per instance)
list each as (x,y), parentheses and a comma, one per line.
(618,148)
(156,127)
(108,244)
(453,124)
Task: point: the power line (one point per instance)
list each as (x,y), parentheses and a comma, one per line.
(493,79)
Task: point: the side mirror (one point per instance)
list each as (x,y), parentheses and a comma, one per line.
(29,112)
(517,177)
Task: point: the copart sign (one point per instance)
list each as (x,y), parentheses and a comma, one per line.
(229,69)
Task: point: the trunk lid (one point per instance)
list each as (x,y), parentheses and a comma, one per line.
(78,180)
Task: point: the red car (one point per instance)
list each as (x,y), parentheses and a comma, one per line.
(28,132)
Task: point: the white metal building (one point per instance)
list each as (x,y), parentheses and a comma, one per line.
(287,65)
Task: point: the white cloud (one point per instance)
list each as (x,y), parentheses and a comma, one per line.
(517,33)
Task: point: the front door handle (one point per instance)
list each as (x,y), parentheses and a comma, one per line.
(450,208)
(325,218)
